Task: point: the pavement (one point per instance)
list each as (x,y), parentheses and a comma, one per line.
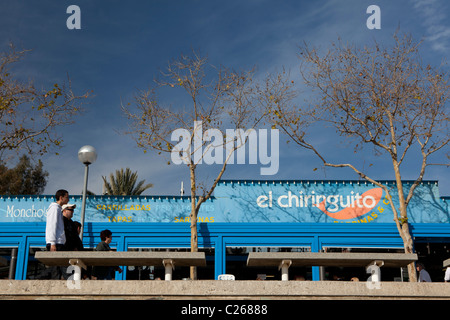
(217,290)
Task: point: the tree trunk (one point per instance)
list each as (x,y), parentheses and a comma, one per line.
(402,223)
(193,220)
(409,248)
(194,242)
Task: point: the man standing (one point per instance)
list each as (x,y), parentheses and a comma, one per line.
(73,241)
(55,237)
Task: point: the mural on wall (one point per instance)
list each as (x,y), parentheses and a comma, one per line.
(247,201)
(324,201)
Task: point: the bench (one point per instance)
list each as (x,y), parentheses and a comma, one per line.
(112,258)
(283,260)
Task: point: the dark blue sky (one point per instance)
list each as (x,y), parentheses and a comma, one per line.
(122,45)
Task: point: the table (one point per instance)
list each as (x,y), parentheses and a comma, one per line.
(328,259)
(113,258)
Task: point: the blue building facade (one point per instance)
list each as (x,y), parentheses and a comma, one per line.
(242,216)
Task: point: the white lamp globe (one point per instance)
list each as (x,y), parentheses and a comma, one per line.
(87,155)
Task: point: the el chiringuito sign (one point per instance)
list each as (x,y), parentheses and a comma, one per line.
(340,207)
(324,201)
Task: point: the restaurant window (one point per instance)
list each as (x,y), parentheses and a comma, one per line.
(180,273)
(432,253)
(236,264)
(35,269)
(359,273)
(8,257)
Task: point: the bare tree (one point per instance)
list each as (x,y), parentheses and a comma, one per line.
(219,99)
(384,97)
(30,116)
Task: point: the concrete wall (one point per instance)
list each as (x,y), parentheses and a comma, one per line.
(210,289)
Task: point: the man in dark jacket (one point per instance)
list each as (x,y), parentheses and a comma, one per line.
(105,273)
(73,241)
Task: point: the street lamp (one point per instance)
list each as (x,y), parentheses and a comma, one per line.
(87,155)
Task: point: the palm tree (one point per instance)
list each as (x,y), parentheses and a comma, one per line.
(123,183)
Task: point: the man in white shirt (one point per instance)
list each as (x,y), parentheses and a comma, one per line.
(447,275)
(54,230)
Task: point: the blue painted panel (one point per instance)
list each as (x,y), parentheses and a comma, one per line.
(324,201)
(249,202)
(220,235)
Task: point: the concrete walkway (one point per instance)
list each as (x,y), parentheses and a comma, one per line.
(210,289)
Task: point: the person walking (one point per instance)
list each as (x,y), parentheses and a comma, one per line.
(105,273)
(73,241)
(55,237)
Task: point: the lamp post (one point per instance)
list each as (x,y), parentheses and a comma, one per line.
(87,155)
